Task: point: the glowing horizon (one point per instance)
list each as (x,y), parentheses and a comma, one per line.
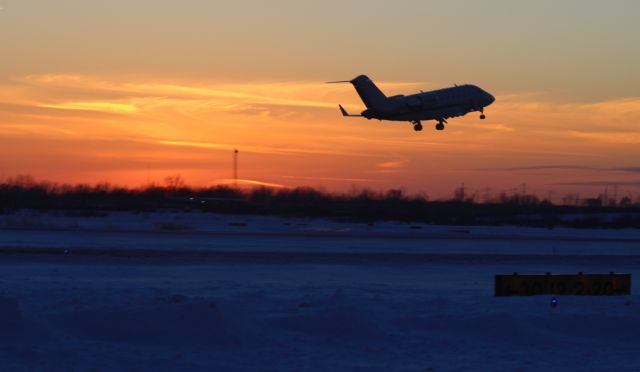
(137,103)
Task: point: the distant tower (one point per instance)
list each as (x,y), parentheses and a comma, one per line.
(459,193)
(235,168)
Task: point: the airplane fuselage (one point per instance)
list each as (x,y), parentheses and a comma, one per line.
(434,105)
(438,105)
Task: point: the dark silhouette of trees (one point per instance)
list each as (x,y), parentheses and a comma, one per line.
(359,204)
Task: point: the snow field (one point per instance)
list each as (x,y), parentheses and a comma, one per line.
(134,293)
(157,315)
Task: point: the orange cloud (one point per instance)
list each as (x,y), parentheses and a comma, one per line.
(390,164)
(339,179)
(241,182)
(96,106)
(255,149)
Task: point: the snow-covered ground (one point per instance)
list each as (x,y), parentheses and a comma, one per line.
(134,292)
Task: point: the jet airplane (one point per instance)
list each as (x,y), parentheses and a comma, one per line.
(438,105)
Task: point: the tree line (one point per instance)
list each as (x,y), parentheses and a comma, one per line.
(358,204)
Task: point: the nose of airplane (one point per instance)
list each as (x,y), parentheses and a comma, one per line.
(490,99)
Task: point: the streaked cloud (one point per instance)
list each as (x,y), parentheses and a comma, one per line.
(96,106)
(339,179)
(243,182)
(601,183)
(629,169)
(560,167)
(614,137)
(257,149)
(564,167)
(389,167)
(292,94)
(391,164)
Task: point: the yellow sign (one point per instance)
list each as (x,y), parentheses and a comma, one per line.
(576,285)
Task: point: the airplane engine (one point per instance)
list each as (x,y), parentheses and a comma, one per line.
(414,103)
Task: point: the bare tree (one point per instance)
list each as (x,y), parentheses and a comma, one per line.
(175,181)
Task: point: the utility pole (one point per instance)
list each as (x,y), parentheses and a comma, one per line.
(235,168)
(460,193)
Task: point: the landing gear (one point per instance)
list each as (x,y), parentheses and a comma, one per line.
(417,126)
(440,126)
(482,116)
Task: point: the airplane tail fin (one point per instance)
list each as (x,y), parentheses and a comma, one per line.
(370,94)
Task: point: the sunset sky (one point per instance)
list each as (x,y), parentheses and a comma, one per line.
(132,91)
